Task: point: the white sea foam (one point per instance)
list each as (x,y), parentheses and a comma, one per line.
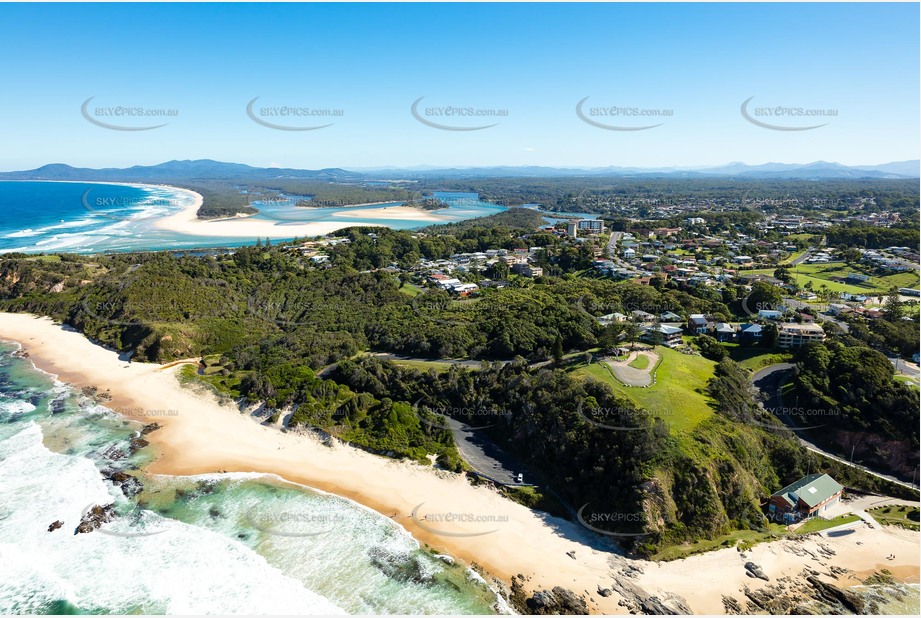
(185,569)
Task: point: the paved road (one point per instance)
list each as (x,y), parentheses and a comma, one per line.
(612,253)
(485,457)
(769,381)
(470,364)
(802,258)
(903,367)
(612,243)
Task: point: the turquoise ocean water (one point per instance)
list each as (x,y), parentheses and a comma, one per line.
(94,218)
(236,544)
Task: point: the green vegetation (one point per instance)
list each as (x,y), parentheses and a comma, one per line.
(854,385)
(273,329)
(754,359)
(897,515)
(513,218)
(820,276)
(817,524)
(872,237)
(737,538)
(640,362)
(534,499)
(679,395)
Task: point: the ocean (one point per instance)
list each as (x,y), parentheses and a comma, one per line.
(81,217)
(219,543)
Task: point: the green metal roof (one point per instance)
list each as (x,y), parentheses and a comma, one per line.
(813,489)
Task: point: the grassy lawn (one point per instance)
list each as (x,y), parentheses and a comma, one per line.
(756,358)
(792,257)
(424,365)
(679,395)
(821,274)
(411,290)
(896,515)
(907,380)
(640,362)
(749,538)
(817,523)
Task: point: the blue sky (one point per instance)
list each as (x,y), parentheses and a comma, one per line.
(536,61)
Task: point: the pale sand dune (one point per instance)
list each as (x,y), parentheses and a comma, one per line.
(202,436)
(187,222)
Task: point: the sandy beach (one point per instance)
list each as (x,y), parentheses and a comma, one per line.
(199,435)
(186,221)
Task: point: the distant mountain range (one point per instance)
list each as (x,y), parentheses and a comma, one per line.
(206,169)
(804,171)
(201,169)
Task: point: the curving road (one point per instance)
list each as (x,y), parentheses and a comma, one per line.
(769,382)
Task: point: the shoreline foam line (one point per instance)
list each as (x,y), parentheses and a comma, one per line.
(206,437)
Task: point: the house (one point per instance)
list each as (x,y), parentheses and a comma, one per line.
(610,318)
(743,259)
(642,316)
(794,335)
(724,332)
(464,289)
(527,270)
(669,336)
(750,333)
(698,323)
(629,253)
(856,278)
(670,316)
(810,496)
(770,314)
(447,283)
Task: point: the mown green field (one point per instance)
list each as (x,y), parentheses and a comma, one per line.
(640,362)
(821,274)
(679,396)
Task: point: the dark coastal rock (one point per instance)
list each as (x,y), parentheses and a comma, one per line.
(731,606)
(401,566)
(753,570)
(57,406)
(558,601)
(832,594)
(653,606)
(130,485)
(89,391)
(55,525)
(95,517)
(113,453)
(605,592)
(136,444)
(149,428)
